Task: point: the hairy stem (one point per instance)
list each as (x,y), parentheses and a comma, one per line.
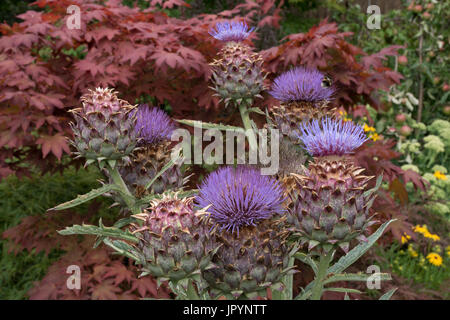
(324,263)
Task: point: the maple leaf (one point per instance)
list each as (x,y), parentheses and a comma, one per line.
(145,285)
(168,58)
(120,273)
(90,66)
(100,33)
(56,144)
(106,290)
(416,179)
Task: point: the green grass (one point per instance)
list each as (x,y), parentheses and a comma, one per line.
(21,198)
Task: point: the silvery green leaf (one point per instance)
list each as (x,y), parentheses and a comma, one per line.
(86,197)
(346,290)
(357,277)
(388,295)
(209,125)
(306,259)
(359,250)
(256,110)
(122,248)
(99,231)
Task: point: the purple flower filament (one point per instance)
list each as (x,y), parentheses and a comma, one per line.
(301,84)
(331,137)
(231,31)
(153,124)
(240,197)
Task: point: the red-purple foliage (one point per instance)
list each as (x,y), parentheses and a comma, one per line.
(103,275)
(136,52)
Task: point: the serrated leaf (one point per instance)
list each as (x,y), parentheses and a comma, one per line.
(122,248)
(256,110)
(307,260)
(346,290)
(357,277)
(86,197)
(359,250)
(209,125)
(99,231)
(388,295)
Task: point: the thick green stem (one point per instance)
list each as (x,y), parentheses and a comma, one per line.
(289,281)
(324,263)
(118,181)
(248,126)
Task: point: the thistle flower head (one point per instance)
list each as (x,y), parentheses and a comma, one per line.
(331,137)
(231,31)
(240,197)
(301,84)
(152,124)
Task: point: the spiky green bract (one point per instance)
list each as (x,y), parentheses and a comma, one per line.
(237,75)
(331,207)
(249,262)
(103,130)
(145,163)
(175,241)
(238,197)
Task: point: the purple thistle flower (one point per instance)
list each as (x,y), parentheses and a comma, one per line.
(234,31)
(301,84)
(331,137)
(152,124)
(240,197)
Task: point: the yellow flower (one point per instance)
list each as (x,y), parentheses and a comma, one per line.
(368,129)
(374,136)
(421,229)
(434,259)
(439,175)
(405,238)
(429,235)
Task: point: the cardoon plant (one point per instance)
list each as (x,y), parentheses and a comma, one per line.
(104,127)
(304,95)
(247,211)
(331,202)
(104,133)
(174,238)
(154,129)
(238,75)
(240,234)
